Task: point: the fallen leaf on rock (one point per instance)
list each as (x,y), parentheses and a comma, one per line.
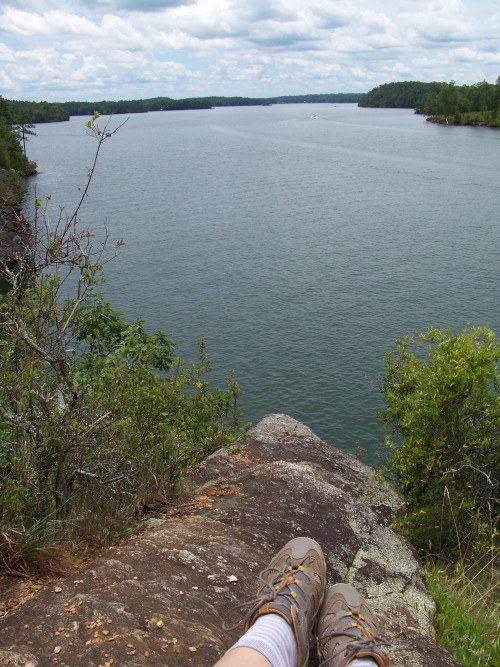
(57,589)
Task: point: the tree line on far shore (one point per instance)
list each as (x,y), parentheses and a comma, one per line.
(49,112)
(477,104)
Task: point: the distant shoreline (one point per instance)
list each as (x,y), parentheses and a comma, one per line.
(50,112)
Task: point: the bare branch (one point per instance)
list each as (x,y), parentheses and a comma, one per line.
(20,328)
(101,136)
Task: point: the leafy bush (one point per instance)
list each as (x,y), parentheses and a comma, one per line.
(95,413)
(443,406)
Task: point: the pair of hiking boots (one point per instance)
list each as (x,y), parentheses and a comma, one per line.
(294,587)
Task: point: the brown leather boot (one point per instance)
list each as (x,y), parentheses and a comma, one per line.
(346,629)
(292,586)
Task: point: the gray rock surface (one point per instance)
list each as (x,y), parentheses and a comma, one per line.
(12,227)
(160,597)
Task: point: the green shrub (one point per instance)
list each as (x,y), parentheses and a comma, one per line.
(443,406)
(96,413)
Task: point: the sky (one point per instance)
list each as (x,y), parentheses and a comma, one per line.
(132,49)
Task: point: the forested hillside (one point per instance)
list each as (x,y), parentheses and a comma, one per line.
(477,104)
(400,95)
(36,112)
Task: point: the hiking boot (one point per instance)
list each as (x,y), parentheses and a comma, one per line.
(346,629)
(292,586)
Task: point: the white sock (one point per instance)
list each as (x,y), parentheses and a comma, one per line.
(274,638)
(363,662)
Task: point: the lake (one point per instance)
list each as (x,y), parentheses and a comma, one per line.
(301,248)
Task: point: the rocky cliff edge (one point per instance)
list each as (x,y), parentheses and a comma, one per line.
(13,226)
(160,597)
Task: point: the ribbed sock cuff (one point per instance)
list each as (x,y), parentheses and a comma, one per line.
(271,636)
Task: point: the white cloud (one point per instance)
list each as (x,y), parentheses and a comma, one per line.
(445,22)
(129,48)
(54,22)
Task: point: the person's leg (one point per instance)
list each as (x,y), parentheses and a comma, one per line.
(273,638)
(347,633)
(278,627)
(243,657)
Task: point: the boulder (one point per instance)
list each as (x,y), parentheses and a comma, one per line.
(160,597)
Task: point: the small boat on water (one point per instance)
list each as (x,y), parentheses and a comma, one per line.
(314,116)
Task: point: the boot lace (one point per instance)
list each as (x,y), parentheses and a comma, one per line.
(365,640)
(279,585)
